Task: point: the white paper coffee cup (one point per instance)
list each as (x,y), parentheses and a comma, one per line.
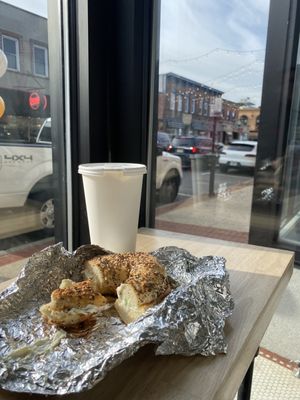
(113,195)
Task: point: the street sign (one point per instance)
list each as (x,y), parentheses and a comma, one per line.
(216,107)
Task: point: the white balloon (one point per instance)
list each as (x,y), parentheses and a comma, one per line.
(3,63)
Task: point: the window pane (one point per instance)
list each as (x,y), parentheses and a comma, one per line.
(26,179)
(240,147)
(10,49)
(12,61)
(210,73)
(9,46)
(40,61)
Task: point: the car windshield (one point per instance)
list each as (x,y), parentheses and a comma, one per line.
(183,141)
(240,147)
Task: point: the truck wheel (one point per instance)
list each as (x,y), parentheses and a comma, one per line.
(47,214)
(169,188)
(45,204)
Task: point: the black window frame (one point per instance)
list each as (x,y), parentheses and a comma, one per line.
(278,80)
(112,108)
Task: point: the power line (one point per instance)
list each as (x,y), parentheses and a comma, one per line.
(233,73)
(217,49)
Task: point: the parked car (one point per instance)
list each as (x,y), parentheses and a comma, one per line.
(163,140)
(185,146)
(26,173)
(238,154)
(168,175)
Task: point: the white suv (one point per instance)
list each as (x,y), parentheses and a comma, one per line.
(238,154)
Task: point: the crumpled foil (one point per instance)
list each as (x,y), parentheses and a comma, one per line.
(189,321)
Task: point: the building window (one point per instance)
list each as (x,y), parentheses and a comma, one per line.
(187,104)
(179,106)
(200,105)
(244,120)
(162,83)
(172,101)
(257,121)
(40,61)
(193,106)
(10,46)
(205,107)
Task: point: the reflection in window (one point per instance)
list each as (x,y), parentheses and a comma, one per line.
(26,178)
(217,80)
(10,47)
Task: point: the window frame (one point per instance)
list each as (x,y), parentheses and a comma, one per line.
(16,40)
(38,46)
(280,63)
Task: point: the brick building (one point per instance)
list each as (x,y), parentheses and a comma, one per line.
(186,107)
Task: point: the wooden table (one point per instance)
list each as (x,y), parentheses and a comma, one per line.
(258,278)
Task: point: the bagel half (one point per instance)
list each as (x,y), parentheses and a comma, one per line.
(73,303)
(137,279)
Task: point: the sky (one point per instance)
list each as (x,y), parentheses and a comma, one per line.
(35,6)
(219,43)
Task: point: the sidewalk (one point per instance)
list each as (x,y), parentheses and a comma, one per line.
(227,216)
(224,216)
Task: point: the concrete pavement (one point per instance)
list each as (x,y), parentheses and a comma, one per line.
(224,216)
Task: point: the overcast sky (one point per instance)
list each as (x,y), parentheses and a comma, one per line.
(219,43)
(35,6)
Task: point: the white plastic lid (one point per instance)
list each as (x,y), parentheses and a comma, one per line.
(103,168)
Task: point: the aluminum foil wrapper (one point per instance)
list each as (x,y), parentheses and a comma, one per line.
(189,321)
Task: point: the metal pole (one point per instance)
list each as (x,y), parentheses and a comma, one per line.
(213,162)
